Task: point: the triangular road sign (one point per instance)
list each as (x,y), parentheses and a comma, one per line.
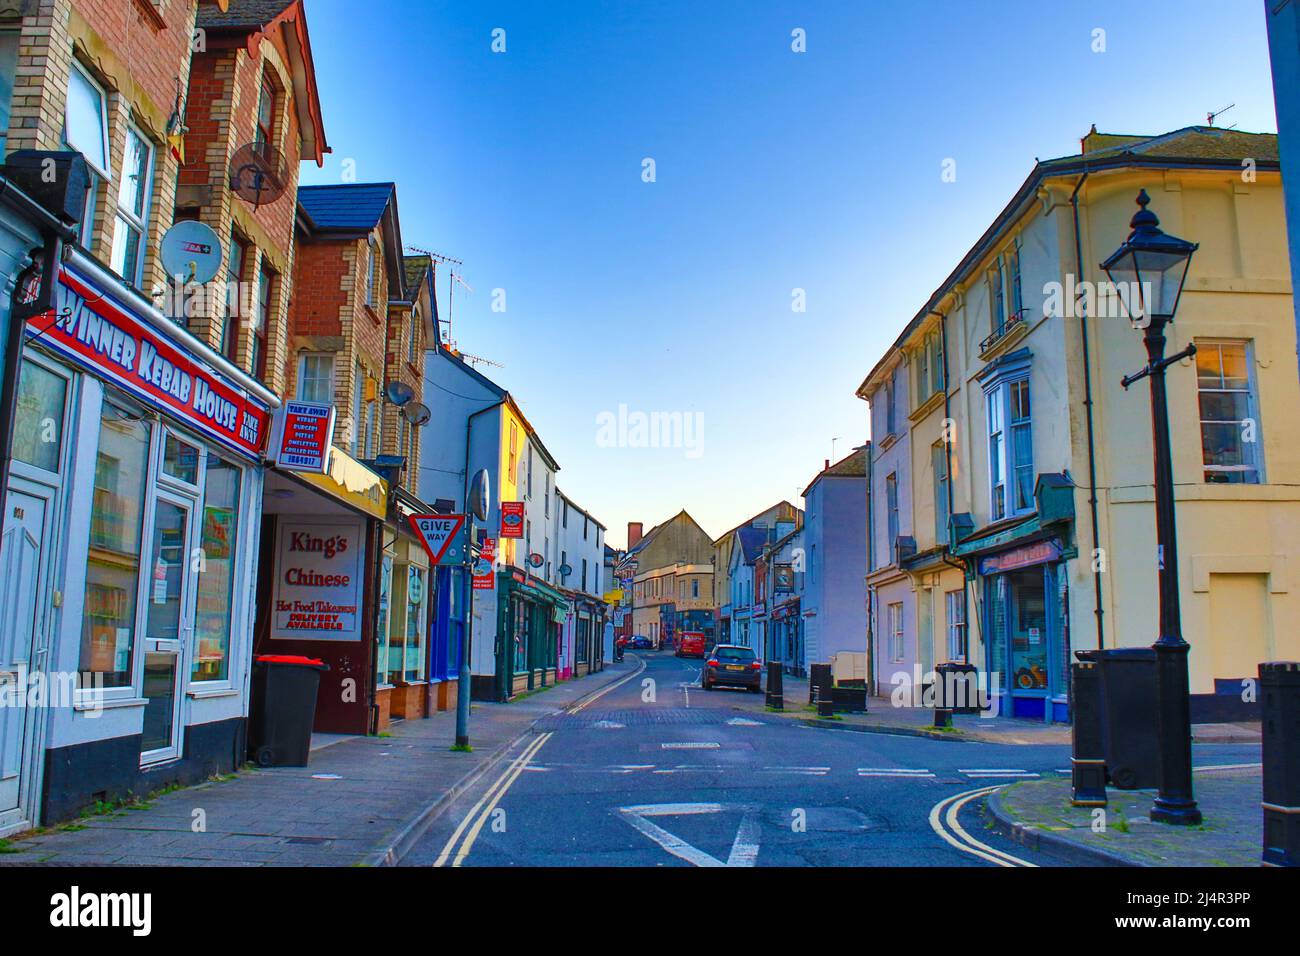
(439,534)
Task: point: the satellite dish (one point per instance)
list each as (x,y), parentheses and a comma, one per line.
(191,251)
(480,497)
(399,393)
(417,413)
(257,174)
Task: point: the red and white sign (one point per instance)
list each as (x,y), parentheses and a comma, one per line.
(90,327)
(300,436)
(318,579)
(438,534)
(512,519)
(484,579)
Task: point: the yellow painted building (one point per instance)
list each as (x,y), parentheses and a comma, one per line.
(1018,429)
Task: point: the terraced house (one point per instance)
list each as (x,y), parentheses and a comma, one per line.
(1011,473)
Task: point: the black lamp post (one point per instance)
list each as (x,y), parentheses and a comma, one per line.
(1152,266)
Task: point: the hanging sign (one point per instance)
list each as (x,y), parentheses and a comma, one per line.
(512,519)
(90,327)
(318,581)
(301,433)
(443,537)
(483,579)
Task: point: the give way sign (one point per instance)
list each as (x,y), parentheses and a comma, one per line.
(442,537)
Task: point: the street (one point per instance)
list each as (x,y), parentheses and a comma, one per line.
(690,777)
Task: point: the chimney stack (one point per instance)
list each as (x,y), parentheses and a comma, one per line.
(827,465)
(633,533)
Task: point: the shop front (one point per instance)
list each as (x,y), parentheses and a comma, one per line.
(1026,601)
(530,614)
(129,552)
(787,637)
(325,588)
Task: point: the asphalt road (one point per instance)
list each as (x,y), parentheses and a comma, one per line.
(659,772)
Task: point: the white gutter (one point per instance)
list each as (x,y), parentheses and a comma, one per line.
(135,303)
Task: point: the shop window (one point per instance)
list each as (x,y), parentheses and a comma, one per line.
(133,197)
(316,377)
(113,566)
(384,657)
(416,600)
(1028,629)
(1230,441)
(217,571)
(8,70)
(181,460)
(896,647)
(38,420)
(955,605)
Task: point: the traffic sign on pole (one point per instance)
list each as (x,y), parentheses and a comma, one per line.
(442,536)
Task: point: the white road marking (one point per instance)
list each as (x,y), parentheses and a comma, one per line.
(810,771)
(893,770)
(605,690)
(999,774)
(692,745)
(744,848)
(744,722)
(1228,766)
(609,725)
(961,839)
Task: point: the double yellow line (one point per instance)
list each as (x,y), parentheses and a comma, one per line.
(486,804)
(959,837)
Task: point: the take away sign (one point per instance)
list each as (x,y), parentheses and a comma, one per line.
(443,537)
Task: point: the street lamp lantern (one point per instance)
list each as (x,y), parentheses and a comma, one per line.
(1155,266)
(1151,265)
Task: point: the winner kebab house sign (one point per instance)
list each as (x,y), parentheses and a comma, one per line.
(92,329)
(318,582)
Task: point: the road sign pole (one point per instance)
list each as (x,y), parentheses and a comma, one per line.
(463,692)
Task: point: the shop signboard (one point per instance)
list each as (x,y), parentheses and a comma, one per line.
(483,579)
(301,434)
(318,583)
(443,537)
(95,328)
(512,519)
(784,578)
(1022,557)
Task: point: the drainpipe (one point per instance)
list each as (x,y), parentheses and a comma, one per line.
(962,565)
(1087,405)
(871,591)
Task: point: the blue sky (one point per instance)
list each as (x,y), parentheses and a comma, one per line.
(774,170)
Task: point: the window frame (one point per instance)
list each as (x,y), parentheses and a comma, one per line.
(128,219)
(897,633)
(105,172)
(303,357)
(1253,450)
(958,630)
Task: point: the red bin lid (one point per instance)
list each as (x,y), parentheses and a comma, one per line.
(288,659)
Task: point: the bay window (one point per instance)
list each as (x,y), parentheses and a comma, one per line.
(1010,439)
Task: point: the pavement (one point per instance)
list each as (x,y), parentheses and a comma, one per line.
(660,773)
(361,801)
(884,717)
(1038,814)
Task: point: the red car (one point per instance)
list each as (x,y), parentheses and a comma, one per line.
(691,644)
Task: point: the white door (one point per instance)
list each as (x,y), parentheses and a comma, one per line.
(22,645)
(169,625)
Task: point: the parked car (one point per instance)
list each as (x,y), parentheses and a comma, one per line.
(732,665)
(640,642)
(691,644)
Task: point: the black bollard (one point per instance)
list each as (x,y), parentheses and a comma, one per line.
(775,686)
(1280,726)
(1087,760)
(825,693)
